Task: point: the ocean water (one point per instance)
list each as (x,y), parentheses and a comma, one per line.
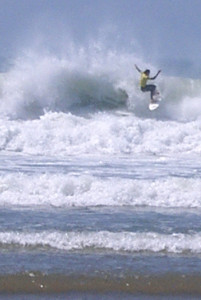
(100,198)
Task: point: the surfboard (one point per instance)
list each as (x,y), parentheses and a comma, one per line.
(154,104)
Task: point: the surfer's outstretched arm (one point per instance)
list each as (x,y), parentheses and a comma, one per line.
(138,69)
(152,78)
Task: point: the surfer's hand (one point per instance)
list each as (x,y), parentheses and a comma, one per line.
(137,68)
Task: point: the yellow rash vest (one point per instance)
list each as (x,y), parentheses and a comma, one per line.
(143,80)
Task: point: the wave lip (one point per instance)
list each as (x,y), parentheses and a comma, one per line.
(36,84)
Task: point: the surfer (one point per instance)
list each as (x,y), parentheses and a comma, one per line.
(143,81)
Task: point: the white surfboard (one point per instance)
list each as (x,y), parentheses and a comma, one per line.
(153,106)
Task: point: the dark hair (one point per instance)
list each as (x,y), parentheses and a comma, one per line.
(147,71)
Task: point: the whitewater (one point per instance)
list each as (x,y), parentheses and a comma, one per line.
(92,183)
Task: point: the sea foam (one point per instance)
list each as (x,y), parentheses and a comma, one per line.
(106,241)
(74,190)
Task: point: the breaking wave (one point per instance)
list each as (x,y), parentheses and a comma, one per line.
(91,80)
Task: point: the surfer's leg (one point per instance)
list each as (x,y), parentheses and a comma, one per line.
(151,88)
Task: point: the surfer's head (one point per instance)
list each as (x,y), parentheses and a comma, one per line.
(147,72)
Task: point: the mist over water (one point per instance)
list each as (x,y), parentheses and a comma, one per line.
(87,76)
(86,89)
(68,61)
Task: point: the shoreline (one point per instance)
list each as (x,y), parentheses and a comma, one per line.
(165,284)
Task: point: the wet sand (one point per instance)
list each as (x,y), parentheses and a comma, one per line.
(57,284)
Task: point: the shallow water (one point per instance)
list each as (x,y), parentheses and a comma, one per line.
(113,220)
